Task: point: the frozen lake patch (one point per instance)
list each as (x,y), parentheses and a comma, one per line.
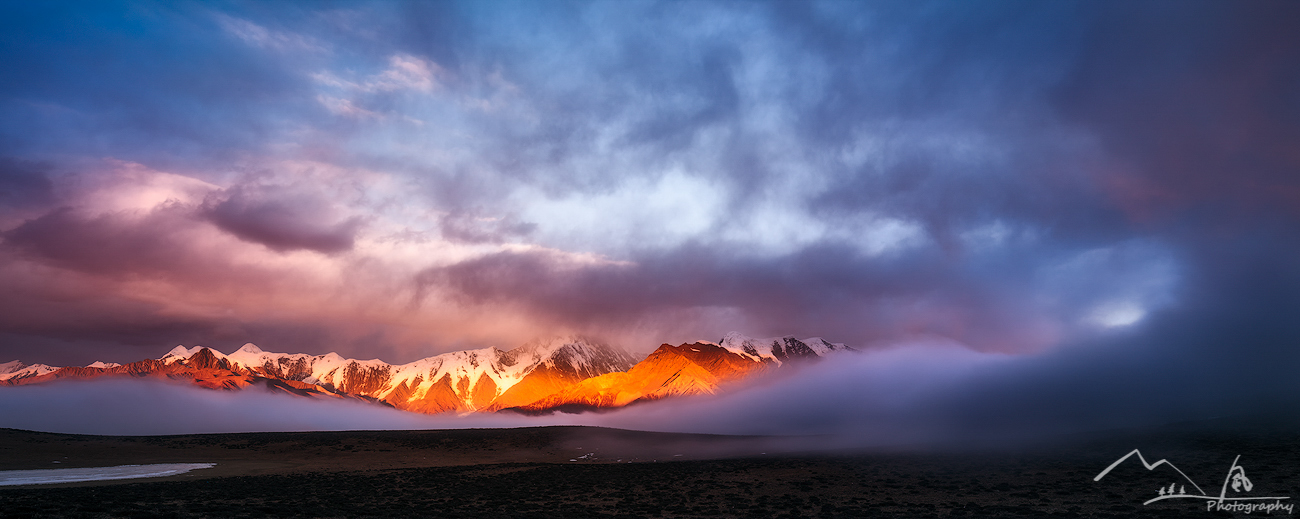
(48,476)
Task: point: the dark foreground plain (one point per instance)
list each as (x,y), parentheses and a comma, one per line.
(529,473)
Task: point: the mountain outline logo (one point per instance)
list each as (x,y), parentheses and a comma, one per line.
(1236,480)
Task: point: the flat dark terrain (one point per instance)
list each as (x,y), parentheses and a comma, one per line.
(528,473)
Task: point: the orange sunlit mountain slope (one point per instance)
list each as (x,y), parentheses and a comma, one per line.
(563,373)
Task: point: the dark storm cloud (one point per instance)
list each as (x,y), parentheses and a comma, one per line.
(72,280)
(964,79)
(101,244)
(828,290)
(677,74)
(126,334)
(64,303)
(640,86)
(282,221)
(1198,102)
(932,84)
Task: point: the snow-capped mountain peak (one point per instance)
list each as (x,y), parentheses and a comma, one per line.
(18,370)
(249,348)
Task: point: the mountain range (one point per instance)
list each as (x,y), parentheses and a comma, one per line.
(570,374)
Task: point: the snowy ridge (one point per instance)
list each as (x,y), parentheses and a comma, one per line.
(539,375)
(821,347)
(487,372)
(11,366)
(469,365)
(778,349)
(471,368)
(312,369)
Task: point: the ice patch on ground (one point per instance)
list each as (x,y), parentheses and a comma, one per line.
(48,476)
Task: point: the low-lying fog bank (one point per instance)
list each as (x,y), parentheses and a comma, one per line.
(920,394)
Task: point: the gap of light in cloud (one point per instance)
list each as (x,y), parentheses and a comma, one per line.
(1115,314)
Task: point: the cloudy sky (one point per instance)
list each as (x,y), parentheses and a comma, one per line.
(1104,186)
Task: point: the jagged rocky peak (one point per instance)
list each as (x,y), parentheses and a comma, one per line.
(594,356)
(822,346)
(778,350)
(581,353)
(180,352)
(207,358)
(543,347)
